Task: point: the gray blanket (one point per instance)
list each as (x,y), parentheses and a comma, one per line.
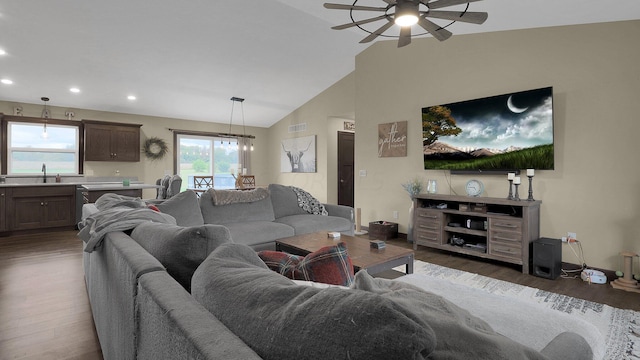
(117,213)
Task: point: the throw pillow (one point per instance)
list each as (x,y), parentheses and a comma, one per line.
(180,249)
(329,265)
(184,207)
(281,320)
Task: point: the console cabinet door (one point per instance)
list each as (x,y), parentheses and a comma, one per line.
(505,239)
(428,227)
(111,141)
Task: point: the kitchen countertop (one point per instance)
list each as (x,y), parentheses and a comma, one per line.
(118,186)
(86,185)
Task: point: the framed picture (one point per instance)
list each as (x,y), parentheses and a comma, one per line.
(392,139)
(298,155)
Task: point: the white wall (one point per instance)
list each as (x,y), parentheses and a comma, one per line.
(320,115)
(595,187)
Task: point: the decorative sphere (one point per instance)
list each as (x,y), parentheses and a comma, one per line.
(619,273)
(637,277)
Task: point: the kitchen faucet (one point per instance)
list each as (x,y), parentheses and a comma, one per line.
(44,170)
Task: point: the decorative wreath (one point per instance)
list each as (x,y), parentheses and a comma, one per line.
(155,148)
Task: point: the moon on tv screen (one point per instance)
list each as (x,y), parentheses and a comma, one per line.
(514,108)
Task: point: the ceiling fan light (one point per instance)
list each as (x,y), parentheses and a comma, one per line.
(406,20)
(406,13)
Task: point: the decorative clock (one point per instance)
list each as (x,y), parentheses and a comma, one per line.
(474,187)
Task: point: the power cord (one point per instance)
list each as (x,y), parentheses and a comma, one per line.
(449,182)
(574,273)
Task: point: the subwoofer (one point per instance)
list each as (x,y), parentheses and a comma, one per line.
(547,258)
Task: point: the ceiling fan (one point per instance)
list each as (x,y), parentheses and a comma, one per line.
(405,13)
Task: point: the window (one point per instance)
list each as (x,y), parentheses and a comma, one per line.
(31,145)
(208,155)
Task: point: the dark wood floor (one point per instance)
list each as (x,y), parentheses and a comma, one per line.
(602,293)
(44,308)
(45,313)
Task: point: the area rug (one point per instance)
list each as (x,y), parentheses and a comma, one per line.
(619,328)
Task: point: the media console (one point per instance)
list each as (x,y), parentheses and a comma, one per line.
(490,228)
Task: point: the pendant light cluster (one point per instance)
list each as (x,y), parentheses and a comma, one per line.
(244,133)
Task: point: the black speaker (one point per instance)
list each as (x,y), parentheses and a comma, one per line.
(547,258)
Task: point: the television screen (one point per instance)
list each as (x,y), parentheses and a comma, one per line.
(494,134)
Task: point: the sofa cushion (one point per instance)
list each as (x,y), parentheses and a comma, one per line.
(281,320)
(461,335)
(285,201)
(165,185)
(175,183)
(260,210)
(180,249)
(329,265)
(184,207)
(305,224)
(173,325)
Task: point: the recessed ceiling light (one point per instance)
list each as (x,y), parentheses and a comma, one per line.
(6,81)
(74,90)
(131,97)
(2,52)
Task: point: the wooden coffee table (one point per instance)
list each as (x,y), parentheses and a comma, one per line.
(361,254)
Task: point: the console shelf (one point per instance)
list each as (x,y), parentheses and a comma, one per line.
(491,228)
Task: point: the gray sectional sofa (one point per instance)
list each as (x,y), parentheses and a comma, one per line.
(180,288)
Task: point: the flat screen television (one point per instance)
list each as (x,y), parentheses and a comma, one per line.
(496,134)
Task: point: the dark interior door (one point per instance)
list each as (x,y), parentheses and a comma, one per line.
(346,168)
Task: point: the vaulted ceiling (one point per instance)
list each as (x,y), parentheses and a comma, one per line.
(186,59)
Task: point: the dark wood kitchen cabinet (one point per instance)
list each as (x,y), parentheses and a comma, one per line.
(41,207)
(107,141)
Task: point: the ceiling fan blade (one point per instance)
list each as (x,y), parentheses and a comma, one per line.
(353,7)
(377,33)
(444,3)
(435,30)
(468,17)
(390,2)
(365,21)
(405,36)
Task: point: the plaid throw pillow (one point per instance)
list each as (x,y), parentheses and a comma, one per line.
(329,265)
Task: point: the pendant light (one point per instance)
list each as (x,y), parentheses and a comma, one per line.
(244,131)
(45,115)
(233,103)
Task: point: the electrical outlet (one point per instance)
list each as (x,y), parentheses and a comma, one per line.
(363,173)
(395,214)
(572,235)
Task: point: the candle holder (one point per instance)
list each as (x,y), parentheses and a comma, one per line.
(516,197)
(510,197)
(530,198)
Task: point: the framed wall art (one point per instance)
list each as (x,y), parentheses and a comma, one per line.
(298,155)
(392,139)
